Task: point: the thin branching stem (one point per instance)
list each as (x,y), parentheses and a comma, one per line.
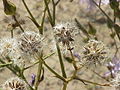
(61,61)
(72,56)
(49,13)
(83,80)
(54,12)
(33,18)
(14,17)
(38,61)
(107,17)
(38,75)
(54,72)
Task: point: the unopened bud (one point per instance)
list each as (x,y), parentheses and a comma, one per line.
(9,8)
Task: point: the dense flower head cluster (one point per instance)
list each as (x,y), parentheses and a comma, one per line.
(8,46)
(10,52)
(65,33)
(95,52)
(15,49)
(14,84)
(30,43)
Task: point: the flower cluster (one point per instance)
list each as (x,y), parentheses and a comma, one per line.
(113,67)
(9,51)
(94,52)
(14,84)
(65,33)
(14,49)
(30,43)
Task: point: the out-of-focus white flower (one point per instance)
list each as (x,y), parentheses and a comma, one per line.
(7,45)
(30,44)
(14,84)
(94,53)
(65,33)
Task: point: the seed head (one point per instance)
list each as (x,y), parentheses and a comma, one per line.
(14,84)
(9,51)
(65,33)
(7,46)
(30,43)
(94,52)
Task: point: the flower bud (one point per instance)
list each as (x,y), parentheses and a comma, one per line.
(9,8)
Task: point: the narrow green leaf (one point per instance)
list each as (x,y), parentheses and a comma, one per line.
(92,30)
(81,27)
(61,61)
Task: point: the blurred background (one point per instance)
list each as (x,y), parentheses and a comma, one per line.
(66,11)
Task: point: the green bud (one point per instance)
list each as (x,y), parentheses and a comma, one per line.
(9,8)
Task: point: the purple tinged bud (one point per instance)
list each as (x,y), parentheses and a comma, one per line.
(33,76)
(77,56)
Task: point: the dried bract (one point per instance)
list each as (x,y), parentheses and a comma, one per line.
(94,52)
(65,33)
(14,84)
(30,43)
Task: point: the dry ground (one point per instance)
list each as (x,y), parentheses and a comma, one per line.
(66,11)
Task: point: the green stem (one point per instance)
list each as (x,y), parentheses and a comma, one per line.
(12,33)
(65,86)
(54,12)
(73,59)
(32,17)
(23,77)
(38,61)
(28,10)
(57,2)
(56,74)
(3,65)
(107,17)
(48,10)
(14,17)
(83,80)
(10,68)
(38,75)
(61,61)
(43,19)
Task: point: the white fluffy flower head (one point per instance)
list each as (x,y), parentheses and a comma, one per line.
(95,52)
(65,32)
(9,51)
(30,44)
